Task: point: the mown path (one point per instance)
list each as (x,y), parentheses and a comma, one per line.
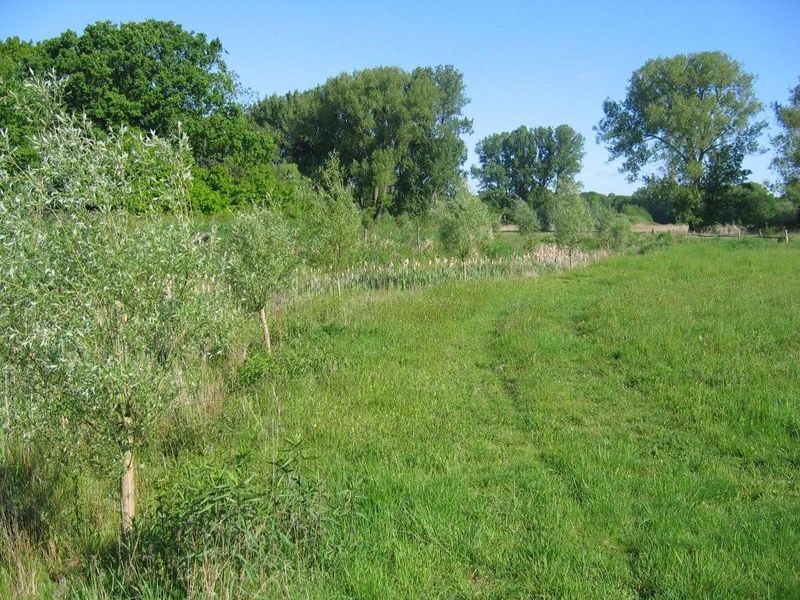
(627,430)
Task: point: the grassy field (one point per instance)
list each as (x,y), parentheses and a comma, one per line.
(626,430)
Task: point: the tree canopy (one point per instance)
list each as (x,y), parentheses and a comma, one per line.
(527,163)
(787,161)
(151,75)
(397,134)
(694,114)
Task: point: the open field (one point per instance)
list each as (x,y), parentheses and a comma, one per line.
(626,430)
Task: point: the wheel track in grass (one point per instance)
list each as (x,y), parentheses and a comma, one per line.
(506,450)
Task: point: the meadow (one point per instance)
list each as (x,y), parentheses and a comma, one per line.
(629,429)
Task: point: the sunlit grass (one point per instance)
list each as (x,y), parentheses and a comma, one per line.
(627,430)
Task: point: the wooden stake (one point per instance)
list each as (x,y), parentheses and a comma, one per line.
(262,315)
(127,492)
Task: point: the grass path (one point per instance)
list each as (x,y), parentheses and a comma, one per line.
(628,430)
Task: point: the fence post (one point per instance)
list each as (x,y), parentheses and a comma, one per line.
(786,235)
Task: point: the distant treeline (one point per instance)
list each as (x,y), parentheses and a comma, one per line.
(398,135)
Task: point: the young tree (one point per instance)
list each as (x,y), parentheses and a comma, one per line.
(397,134)
(334,224)
(571,218)
(525,217)
(694,114)
(262,257)
(465,226)
(99,308)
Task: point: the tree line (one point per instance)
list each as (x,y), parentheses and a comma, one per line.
(684,128)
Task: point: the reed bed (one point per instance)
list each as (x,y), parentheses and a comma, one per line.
(408,273)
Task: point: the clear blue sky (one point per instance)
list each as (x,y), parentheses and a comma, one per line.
(524,63)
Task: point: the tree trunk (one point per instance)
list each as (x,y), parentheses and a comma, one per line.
(127,493)
(339,285)
(464,267)
(262,315)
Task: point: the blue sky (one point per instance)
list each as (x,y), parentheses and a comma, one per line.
(524,63)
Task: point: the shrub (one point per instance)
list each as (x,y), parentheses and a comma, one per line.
(333,228)
(571,218)
(465,225)
(636,214)
(525,217)
(613,229)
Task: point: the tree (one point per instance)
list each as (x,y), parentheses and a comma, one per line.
(333,229)
(525,217)
(99,309)
(694,115)
(16,59)
(465,226)
(570,218)
(752,205)
(658,197)
(262,259)
(528,164)
(787,143)
(397,134)
(151,75)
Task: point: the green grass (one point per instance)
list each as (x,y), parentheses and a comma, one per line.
(627,430)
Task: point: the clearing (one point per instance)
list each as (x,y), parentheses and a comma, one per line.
(631,429)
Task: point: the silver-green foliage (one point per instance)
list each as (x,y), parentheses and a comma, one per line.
(525,217)
(613,228)
(465,225)
(334,224)
(99,309)
(261,257)
(570,217)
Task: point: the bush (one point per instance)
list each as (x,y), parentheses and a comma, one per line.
(465,225)
(333,230)
(254,370)
(613,230)
(571,218)
(525,217)
(636,214)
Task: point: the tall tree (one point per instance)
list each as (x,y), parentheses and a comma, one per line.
(397,134)
(17,59)
(694,114)
(527,163)
(152,75)
(149,74)
(787,143)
